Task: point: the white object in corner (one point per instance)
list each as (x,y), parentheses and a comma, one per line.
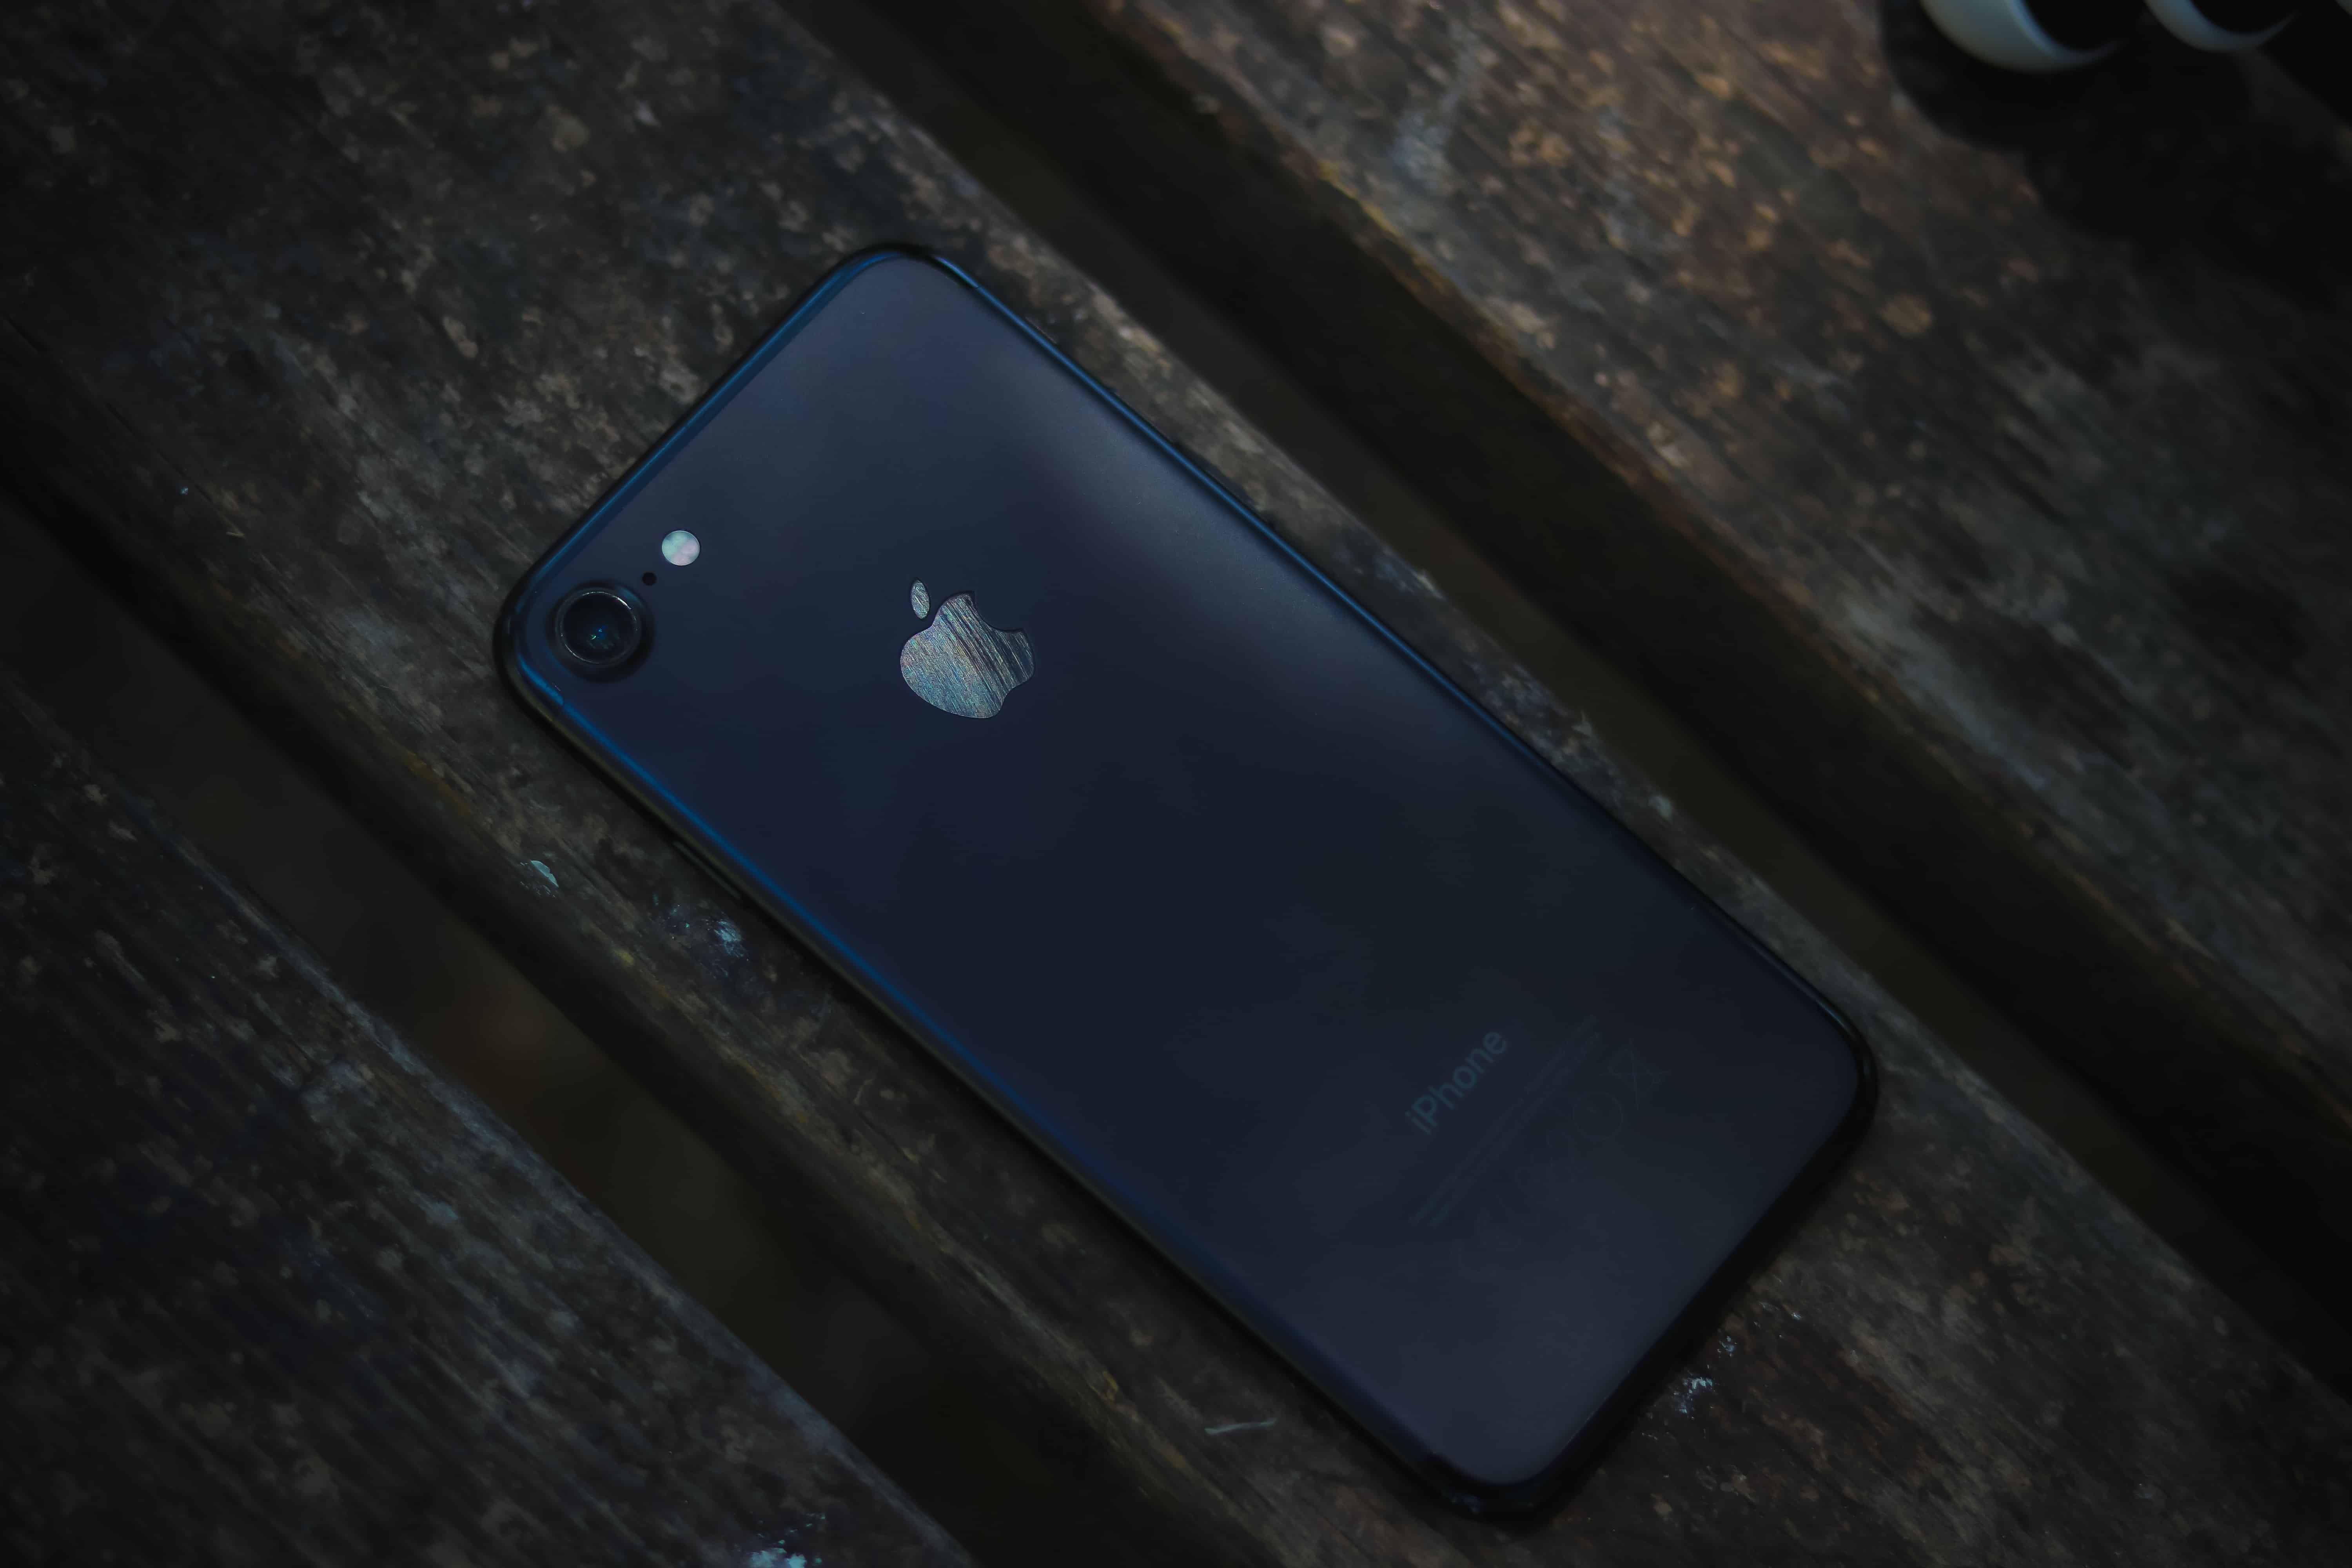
(2184,21)
(2004,33)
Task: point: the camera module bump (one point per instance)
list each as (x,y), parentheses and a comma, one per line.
(600,628)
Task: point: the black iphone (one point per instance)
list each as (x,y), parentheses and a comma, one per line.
(1399,1046)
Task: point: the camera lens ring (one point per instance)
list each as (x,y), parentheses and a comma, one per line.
(601,629)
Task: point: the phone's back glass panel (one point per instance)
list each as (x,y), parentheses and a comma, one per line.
(1357,1010)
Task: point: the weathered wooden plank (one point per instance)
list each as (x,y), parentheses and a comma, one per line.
(270,1291)
(1962,455)
(320,322)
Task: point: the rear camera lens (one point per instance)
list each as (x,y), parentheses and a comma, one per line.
(600,628)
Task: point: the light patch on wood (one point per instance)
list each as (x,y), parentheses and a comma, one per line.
(566,132)
(1907,314)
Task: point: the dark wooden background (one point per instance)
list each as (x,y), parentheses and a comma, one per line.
(318,321)
(270,1291)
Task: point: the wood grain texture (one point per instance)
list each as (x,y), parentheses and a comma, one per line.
(1962,455)
(320,322)
(272,1292)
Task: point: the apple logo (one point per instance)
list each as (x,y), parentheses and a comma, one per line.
(960,664)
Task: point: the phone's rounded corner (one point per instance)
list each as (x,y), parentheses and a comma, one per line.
(1524,1503)
(508,645)
(1861,1102)
(507,648)
(872,255)
(1527,1500)
(877,254)
(1862,1097)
